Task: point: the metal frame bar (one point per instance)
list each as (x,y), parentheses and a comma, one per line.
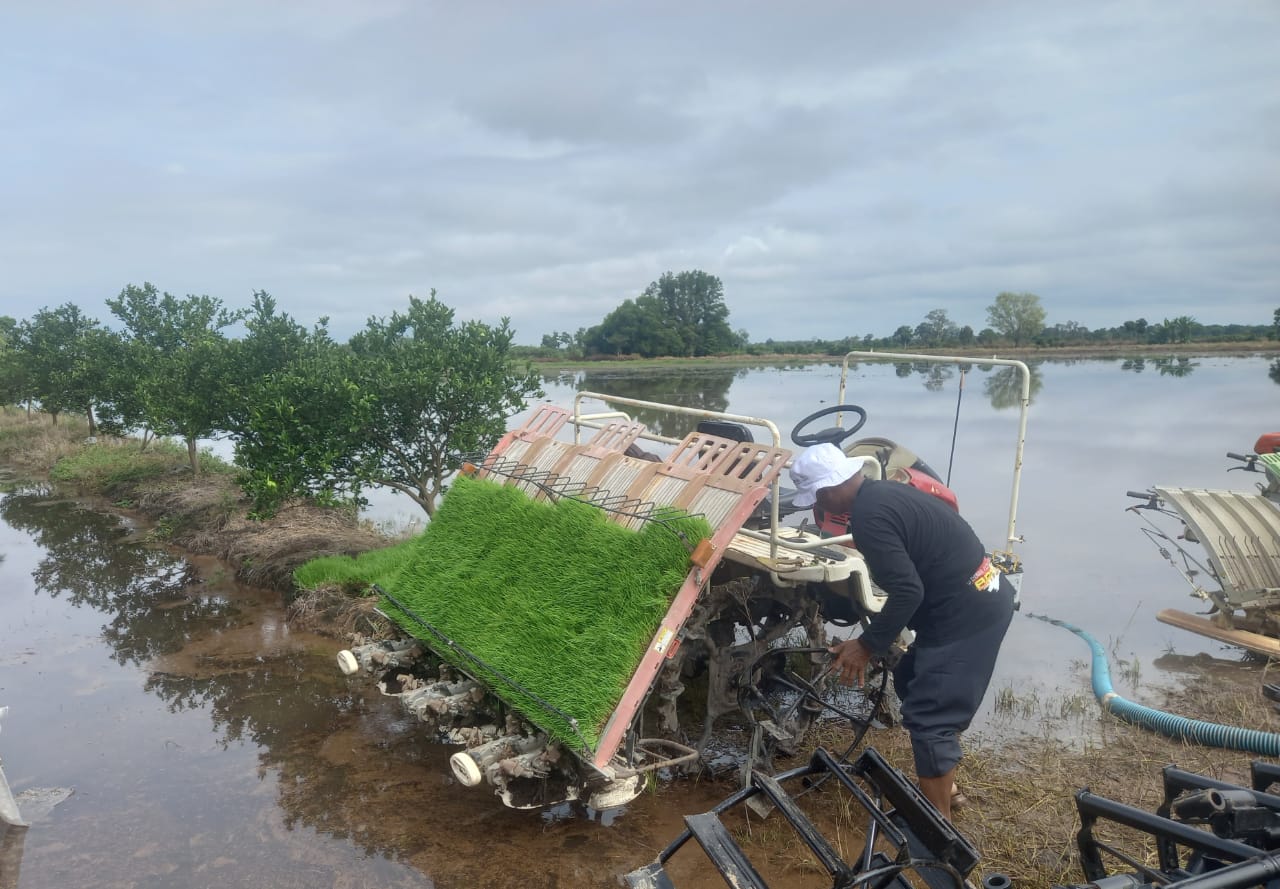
(1011,536)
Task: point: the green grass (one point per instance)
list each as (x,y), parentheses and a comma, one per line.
(107,464)
(356,574)
(552,596)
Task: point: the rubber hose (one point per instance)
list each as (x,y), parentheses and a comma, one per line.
(1210,734)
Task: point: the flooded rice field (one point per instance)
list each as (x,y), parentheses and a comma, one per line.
(205,743)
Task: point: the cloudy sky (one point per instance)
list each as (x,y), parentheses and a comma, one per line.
(843,167)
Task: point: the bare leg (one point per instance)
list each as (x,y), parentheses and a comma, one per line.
(938,791)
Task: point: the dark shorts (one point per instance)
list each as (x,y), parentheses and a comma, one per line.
(941,687)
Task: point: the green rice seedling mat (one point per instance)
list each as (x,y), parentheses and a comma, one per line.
(554,597)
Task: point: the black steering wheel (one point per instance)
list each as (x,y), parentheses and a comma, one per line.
(833,434)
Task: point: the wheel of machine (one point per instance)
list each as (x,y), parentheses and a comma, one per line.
(760,650)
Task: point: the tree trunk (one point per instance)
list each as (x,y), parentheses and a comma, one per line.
(193,456)
(93,423)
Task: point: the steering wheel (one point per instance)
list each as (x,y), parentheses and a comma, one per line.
(833,434)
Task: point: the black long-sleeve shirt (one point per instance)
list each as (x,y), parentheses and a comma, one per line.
(923,555)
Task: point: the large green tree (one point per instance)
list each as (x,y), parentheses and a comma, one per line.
(678,315)
(302,427)
(401,405)
(61,353)
(1180,329)
(1017,316)
(177,356)
(14,378)
(122,409)
(272,342)
(936,330)
(693,303)
(436,392)
(637,327)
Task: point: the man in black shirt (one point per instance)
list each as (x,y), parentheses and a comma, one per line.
(939,583)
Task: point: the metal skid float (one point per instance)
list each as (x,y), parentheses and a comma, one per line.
(748,624)
(1226,544)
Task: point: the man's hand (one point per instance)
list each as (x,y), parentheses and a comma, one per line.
(851,661)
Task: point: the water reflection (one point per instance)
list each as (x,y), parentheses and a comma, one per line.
(1167,367)
(223,662)
(935,375)
(705,389)
(90,558)
(1003,387)
(1274,371)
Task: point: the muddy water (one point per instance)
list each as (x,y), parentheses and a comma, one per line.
(207,744)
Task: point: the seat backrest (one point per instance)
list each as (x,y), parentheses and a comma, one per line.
(725,429)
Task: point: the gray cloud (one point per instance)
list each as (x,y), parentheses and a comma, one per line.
(546,161)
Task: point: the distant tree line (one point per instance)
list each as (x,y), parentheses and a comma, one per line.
(686,315)
(400,405)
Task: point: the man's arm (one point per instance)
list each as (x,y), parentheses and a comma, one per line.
(896,574)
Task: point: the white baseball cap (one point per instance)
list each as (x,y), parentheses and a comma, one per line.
(821,466)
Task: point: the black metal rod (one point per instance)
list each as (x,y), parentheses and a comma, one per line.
(552,484)
(955,428)
(1092,805)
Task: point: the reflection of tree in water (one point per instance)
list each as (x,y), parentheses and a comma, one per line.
(1174,367)
(703,388)
(1168,367)
(1004,386)
(1274,371)
(88,557)
(935,375)
(561,378)
(287,704)
(263,700)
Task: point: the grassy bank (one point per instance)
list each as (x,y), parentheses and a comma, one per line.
(205,514)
